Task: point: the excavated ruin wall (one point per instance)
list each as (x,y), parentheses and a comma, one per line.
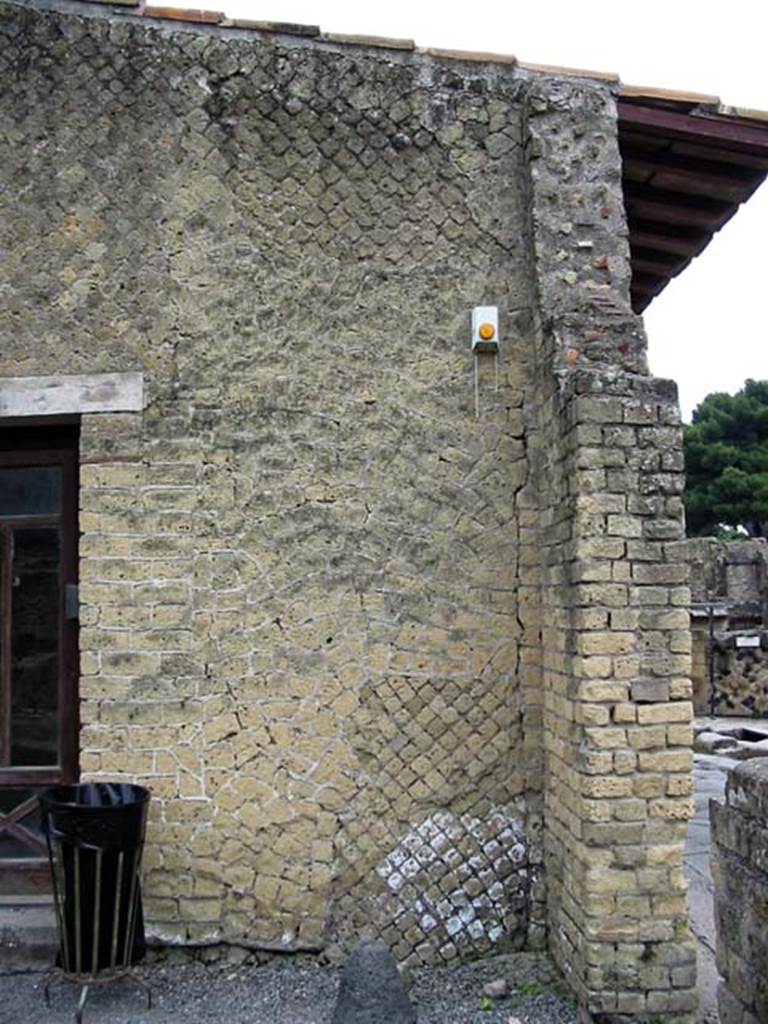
(381,642)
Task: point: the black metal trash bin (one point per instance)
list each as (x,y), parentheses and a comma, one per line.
(95,834)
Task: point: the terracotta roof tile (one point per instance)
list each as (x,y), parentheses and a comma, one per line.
(673,95)
(486,58)
(554,69)
(181,14)
(379,41)
(285,28)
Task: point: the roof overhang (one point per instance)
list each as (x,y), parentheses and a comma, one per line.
(688,164)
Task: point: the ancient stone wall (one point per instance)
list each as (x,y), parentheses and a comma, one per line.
(300,564)
(732,571)
(739,685)
(615,643)
(740,873)
(729,619)
(378,645)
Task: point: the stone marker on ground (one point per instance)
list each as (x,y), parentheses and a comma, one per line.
(496,989)
(371,989)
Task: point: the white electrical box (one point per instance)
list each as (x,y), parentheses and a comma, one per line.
(485,329)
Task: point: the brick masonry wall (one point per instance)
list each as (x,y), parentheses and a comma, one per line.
(613,596)
(373,653)
(300,564)
(740,873)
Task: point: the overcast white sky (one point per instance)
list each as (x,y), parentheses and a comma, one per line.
(708,330)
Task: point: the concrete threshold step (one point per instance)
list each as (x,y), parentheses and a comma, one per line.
(28,939)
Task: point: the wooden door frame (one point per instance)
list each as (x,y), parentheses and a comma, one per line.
(51,444)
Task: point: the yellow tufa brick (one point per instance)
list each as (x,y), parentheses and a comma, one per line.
(608,738)
(679,785)
(606,643)
(680,735)
(624,712)
(672,711)
(680,689)
(673,810)
(593,714)
(670,855)
(606,786)
(666,761)
(646,738)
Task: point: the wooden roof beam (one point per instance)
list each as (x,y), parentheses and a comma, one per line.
(651,265)
(645,283)
(669,207)
(722,156)
(681,174)
(681,215)
(669,238)
(723,131)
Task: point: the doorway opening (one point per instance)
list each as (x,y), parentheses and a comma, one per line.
(38,640)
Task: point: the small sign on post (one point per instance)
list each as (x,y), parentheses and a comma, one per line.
(747,641)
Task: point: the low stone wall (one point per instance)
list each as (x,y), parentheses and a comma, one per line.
(740,674)
(729,608)
(740,871)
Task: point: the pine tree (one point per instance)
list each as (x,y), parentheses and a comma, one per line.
(726,462)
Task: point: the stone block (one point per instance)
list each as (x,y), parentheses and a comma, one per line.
(371,990)
(650,691)
(746,789)
(666,761)
(675,711)
(647,737)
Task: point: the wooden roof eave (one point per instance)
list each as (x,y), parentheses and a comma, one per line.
(687,169)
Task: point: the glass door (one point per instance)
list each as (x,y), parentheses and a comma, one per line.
(38,641)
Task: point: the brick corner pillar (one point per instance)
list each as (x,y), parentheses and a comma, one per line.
(616,641)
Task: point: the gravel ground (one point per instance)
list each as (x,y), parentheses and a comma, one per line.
(288,992)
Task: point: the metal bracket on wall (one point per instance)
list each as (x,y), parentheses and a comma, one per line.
(71,601)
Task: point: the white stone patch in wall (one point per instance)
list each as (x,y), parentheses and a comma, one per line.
(459,880)
(411,868)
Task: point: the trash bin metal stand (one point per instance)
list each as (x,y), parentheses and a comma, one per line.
(97,912)
(116,911)
(120,968)
(133,904)
(86,982)
(59,888)
(100,927)
(78,915)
